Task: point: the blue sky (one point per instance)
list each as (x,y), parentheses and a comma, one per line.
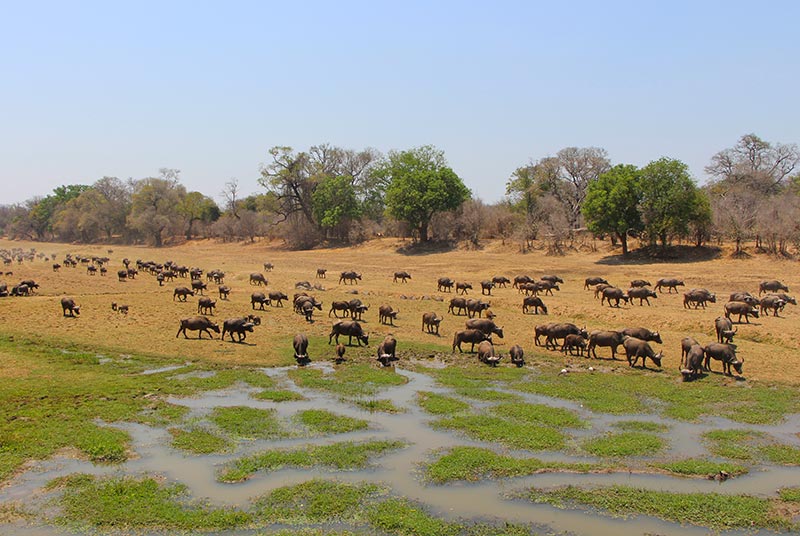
(122,89)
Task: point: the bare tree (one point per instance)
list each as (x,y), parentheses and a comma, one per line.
(755,163)
(231,195)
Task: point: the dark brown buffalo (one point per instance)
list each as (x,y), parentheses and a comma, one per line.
(613,293)
(528,287)
(258,279)
(670,283)
(457,303)
(224,292)
(773,303)
(552,278)
(486,287)
(686,344)
(476,307)
(300,345)
(463,287)
(559,331)
(307,308)
(698,297)
(387,350)
(201,324)
(694,362)
(541,331)
(199,286)
(643,294)
(636,348)
(260,299)
(122,275)
(357,309)
(239,326)
(56,267)
(472,336)
(351,329)
(546,286)
(206,305)
(340,350)
(771,286)
(599,288)
(342,306)
(485,325)
(639,283)
(431,322)
(386,312)
(321,273)
(592,281)
(268,266)
(68,306)
(611,339)
(486,354)
(181,293)
(724,328)
(445,284)
(573,342)
(535,302)
(351,277)
(520,279)
(725,353)
(401,276)
(742,309)
(643,334)
(501,281)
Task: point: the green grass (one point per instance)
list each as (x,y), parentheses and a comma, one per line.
(437,404)
(315,501)
(375,405)
(640,426)
(698,467)
(486,395)
(733,444)
(541,414)
(352,381)
(248,423)
(711,510)
(101,444)
(321,421)
(278,395)
(780,454)
(342,456)
(473,464)
(624,444)
(404,518)
(134,504)
(199,441)
(789,494)
(510,433)
(224,378)
(476,382)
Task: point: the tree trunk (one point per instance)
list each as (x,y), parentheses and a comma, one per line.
(423,231)
(157,238)
(623,239)
(663,240)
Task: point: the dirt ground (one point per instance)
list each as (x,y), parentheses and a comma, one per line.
(768,345)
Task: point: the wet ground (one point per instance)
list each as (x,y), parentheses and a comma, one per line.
(401,469)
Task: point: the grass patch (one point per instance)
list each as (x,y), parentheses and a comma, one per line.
(624,444)
(780,454)
(375,405)
(712,510)
(473,464)
(510,433)
(437,404)
(352,381)
(199,441)
(789,494)
(248,423)
(733,444)
(343,456)
(101,444)
(278,395)
(698,467)
(129,504)
(322,421)
(640,426)
(402,517)
(486,395)
(539,414)
(315,501)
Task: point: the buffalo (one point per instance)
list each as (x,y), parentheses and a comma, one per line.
(472,336)
(636,348)
(199,286)
(485,325)
(725,353)
(611,339)
(517,355)
(340,350)
(342,306)
(592,281)
(239,326)
(206,305)
(224,292)
(457,303)
(771,286)
(300,345)
(744,297)
(742,309)
(321,273)
(486,287)
(724,328)
(463,287)
(268,266)
(670,283)
(614,293)
(686,345)
(559,331)
(643,294)
(201,324)
(500,281)
(694,362)
(535,302)
(430,322)
(260,299)
(698,297)
(771,302)
(520,279)
(386,312)
(351,277)
(387,350)
(486,354)
(476,307)
(307,308)
(181,293)
(401,276)
(68,306)
(643,334)
(258,279)
(639,283)
(351,329)
(572,342)
(445,284)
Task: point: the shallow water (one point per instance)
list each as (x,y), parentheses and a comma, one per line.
(487,500)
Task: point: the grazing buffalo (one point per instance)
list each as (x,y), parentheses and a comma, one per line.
(68,306)
(239,326)
(260,299)
(552,278)
(321,273)
(268,266)
(342,306)
(613,293)
(520,279)
(694,362)
(486,287)
(535,302)
(698,297)
(643,294)
(445,284)
(670,283)
(639,283)
(224,292)
(386,350)
(599,288)
(485,325)
(771,302)
(206,305)
(559,331)
(724,328)
(307,308)
(592,281)
(199,286)
(181,293)
(541,331)
(431,322)
(122,309)
(351,277)
(357,309)
(517,355)
(744,297)
(611,339)
(643,334)
(476,307)
(340,350)
(386,312)
(300,345)
(742,309)
(636,348)
(686,345)
(486,354)
(30,283)
(546,286)
(457,303)
(122,275)
(573,342)
(258,279)
(201,324)
(351,329)
(771,286)
(463,287)
(501,281)
(401,276)
(725,353)
(472,336)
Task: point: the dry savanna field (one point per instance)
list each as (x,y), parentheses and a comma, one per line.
(769,345)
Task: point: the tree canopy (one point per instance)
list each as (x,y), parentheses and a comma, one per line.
(612,203)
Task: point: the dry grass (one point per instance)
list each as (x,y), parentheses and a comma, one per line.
(769,345)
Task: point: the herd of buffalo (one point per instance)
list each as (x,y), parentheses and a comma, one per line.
(479,327)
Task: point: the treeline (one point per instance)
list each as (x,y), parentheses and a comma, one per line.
(330,194)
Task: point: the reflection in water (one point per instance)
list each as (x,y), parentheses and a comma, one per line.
(489,500)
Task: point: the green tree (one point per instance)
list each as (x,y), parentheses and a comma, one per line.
(670,199)
(335,204)
(420,184)
(612,203)
(196,207)
(154,205)
(44,211)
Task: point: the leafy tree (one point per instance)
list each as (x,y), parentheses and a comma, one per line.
(335,204)
(420,184)
(43,212)
(154,202)
(670,199)
(612,203)
(196,207)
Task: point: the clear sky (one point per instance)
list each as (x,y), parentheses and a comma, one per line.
(124,88)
